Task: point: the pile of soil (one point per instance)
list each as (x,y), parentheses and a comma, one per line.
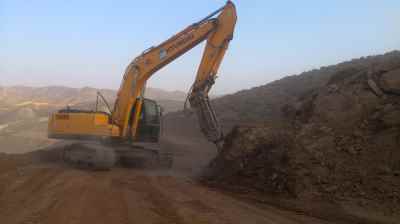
(338,143)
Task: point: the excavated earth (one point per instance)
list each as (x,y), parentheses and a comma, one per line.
(337,151)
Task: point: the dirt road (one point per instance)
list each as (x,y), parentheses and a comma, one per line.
(58,194)
(47,191)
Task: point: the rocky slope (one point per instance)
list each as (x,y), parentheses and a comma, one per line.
(335,140)
(266,103)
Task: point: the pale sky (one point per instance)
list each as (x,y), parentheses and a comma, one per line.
(89,43)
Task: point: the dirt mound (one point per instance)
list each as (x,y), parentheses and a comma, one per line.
(339,143)
(256,152)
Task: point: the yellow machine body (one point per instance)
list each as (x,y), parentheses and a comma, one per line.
(81,125)
(133,116)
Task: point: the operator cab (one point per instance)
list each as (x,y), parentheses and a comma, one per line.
(149,122)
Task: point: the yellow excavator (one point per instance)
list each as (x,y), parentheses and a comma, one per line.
(131,130)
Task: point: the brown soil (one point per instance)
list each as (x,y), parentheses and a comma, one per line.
(56,194)
(38,188)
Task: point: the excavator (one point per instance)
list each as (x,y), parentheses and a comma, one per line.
(130,131)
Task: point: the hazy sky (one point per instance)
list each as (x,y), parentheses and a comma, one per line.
(89,43)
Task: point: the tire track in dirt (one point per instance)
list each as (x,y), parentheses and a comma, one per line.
(18,196)
(157,202)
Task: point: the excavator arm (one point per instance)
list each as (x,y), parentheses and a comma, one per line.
(216,46)
(218,31)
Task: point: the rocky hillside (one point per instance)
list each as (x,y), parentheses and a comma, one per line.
(335,138)
(267,103)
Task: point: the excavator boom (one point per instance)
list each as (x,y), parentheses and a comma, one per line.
(217,31)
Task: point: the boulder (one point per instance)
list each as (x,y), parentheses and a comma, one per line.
(390,81)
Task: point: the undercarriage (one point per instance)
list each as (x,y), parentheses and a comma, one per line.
(104,156)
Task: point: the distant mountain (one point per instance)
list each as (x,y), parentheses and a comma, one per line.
(60,96)
(160,94)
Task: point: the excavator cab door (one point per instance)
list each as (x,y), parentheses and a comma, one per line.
(149,122)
